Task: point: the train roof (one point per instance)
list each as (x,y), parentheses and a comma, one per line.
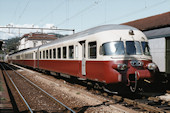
(91,31)
(19,51)
(84,33)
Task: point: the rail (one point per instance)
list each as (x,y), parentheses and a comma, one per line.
(25,102)
(47,94)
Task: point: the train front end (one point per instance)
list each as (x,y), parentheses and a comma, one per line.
(129,60)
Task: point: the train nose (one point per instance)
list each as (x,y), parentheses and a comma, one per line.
(133,75)
(137,70)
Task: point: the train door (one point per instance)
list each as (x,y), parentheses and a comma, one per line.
(37,58)
(83,64)
(168,55)
(22,59)
(34,58)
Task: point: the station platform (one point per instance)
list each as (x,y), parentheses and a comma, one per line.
(5,102)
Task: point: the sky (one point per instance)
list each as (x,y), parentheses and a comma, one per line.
(73,14)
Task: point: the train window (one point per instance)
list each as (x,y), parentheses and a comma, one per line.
(113,48)
(92,50)
(145,47)
(64,52)
(18,57)
(29,55)
(50,53)
(40,54)
(46,54)
(26,56)
(54,53)
(133,48)
(58,52)
(71,52)
(43,54)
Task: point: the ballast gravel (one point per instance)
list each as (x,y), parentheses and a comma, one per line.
(76,98)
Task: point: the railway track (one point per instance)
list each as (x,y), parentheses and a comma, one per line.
(139,103)
(31,98)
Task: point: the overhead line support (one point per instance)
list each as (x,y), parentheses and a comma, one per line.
(73,30)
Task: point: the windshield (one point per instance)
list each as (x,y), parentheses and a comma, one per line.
(145,47)
(113,48)
(133,48)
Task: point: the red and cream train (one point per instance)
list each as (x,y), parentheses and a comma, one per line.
(108,54)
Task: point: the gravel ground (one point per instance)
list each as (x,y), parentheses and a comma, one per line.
(165,97)
(77,99)
(35,98)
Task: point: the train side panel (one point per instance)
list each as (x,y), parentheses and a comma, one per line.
(61,66)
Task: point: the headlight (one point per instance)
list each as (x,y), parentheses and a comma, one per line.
(121,66)
(152,66)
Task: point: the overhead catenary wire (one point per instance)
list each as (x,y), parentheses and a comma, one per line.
(20,16)
(79,13)
(135,12)
(11,33)
(15,11)
(49,13)
(87,13)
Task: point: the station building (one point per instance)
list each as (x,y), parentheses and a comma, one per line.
(157,29)
(35,39)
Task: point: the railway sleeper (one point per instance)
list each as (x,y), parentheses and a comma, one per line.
(137,104)
(144,106)
(159,101)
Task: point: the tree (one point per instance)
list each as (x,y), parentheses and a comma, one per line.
(1,42)
(12,44)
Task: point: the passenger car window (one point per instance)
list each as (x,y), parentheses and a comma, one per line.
(50,53)
(58,52)
(71,52)
(40,54)
(36,55)
(43,54)
(54,53)
(46,54)
(92,50)
(64,52)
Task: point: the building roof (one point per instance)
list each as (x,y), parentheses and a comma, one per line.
(39,36)
(158,33)
(150,23)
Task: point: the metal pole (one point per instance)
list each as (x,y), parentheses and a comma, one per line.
(19,33)
(9,29)
(42,30)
